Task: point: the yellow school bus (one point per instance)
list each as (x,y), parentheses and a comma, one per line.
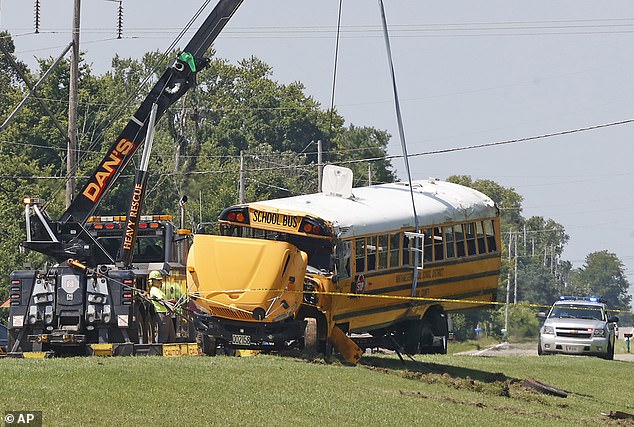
(337,268)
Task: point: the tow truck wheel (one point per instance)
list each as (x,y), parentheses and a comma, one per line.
(24,345)
(142,326)
(153,327)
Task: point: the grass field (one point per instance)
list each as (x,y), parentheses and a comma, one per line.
(273,390)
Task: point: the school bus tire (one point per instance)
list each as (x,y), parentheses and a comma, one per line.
(434,324)
(329,352)
(207,344)
(311,340)
(413,331)
(440,328)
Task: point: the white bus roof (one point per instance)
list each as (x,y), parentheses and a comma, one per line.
(384,207)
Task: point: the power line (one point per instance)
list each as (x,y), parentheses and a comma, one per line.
(499,143)
(427,153)
(260,31)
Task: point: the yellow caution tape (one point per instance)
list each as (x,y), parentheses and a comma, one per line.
(393,297)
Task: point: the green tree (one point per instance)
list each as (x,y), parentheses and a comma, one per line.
(522,322)
(11,84)
(354,144)
(537,285)
(603,275)
(241,108)
(20,173)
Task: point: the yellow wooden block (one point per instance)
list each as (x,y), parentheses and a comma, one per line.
(34,355)
(247,353)
(101,349)
(192,349)
(171,350)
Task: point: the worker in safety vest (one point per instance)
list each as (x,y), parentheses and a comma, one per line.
(166,331)
(174,294)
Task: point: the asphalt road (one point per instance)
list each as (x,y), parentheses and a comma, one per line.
(526,349)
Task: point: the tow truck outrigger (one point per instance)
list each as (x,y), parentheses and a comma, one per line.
(90,295)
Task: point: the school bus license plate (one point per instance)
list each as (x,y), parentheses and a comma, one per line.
(240,339)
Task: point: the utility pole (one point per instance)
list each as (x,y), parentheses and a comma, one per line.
(71,152)
(241,190)
(506,306)
(369,174)
(508,288)
(320,165)
(515,279)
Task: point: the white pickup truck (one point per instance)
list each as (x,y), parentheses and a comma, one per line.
(578,326)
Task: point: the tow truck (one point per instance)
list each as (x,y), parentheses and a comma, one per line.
(92,297)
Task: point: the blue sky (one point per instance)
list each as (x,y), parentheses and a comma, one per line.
(468,73)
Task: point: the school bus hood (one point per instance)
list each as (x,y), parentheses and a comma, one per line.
(233,277)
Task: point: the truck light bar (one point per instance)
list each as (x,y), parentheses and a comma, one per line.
(33,201)
(591,298)
(122,218)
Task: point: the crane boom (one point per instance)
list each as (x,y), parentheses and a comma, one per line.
(177,79)
(66,237)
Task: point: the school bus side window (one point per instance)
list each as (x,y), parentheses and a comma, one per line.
(394,249)
(490,232)
(406,257)
(428,252)
(482,247)
(359,250)
(460,243)
(471,239)
(450,250)
(382,252)
(439,251)
(371,249)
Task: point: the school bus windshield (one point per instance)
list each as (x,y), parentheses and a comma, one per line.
(319,250)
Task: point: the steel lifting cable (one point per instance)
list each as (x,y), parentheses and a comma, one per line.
(172,307)
(401,133)
(334,71)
